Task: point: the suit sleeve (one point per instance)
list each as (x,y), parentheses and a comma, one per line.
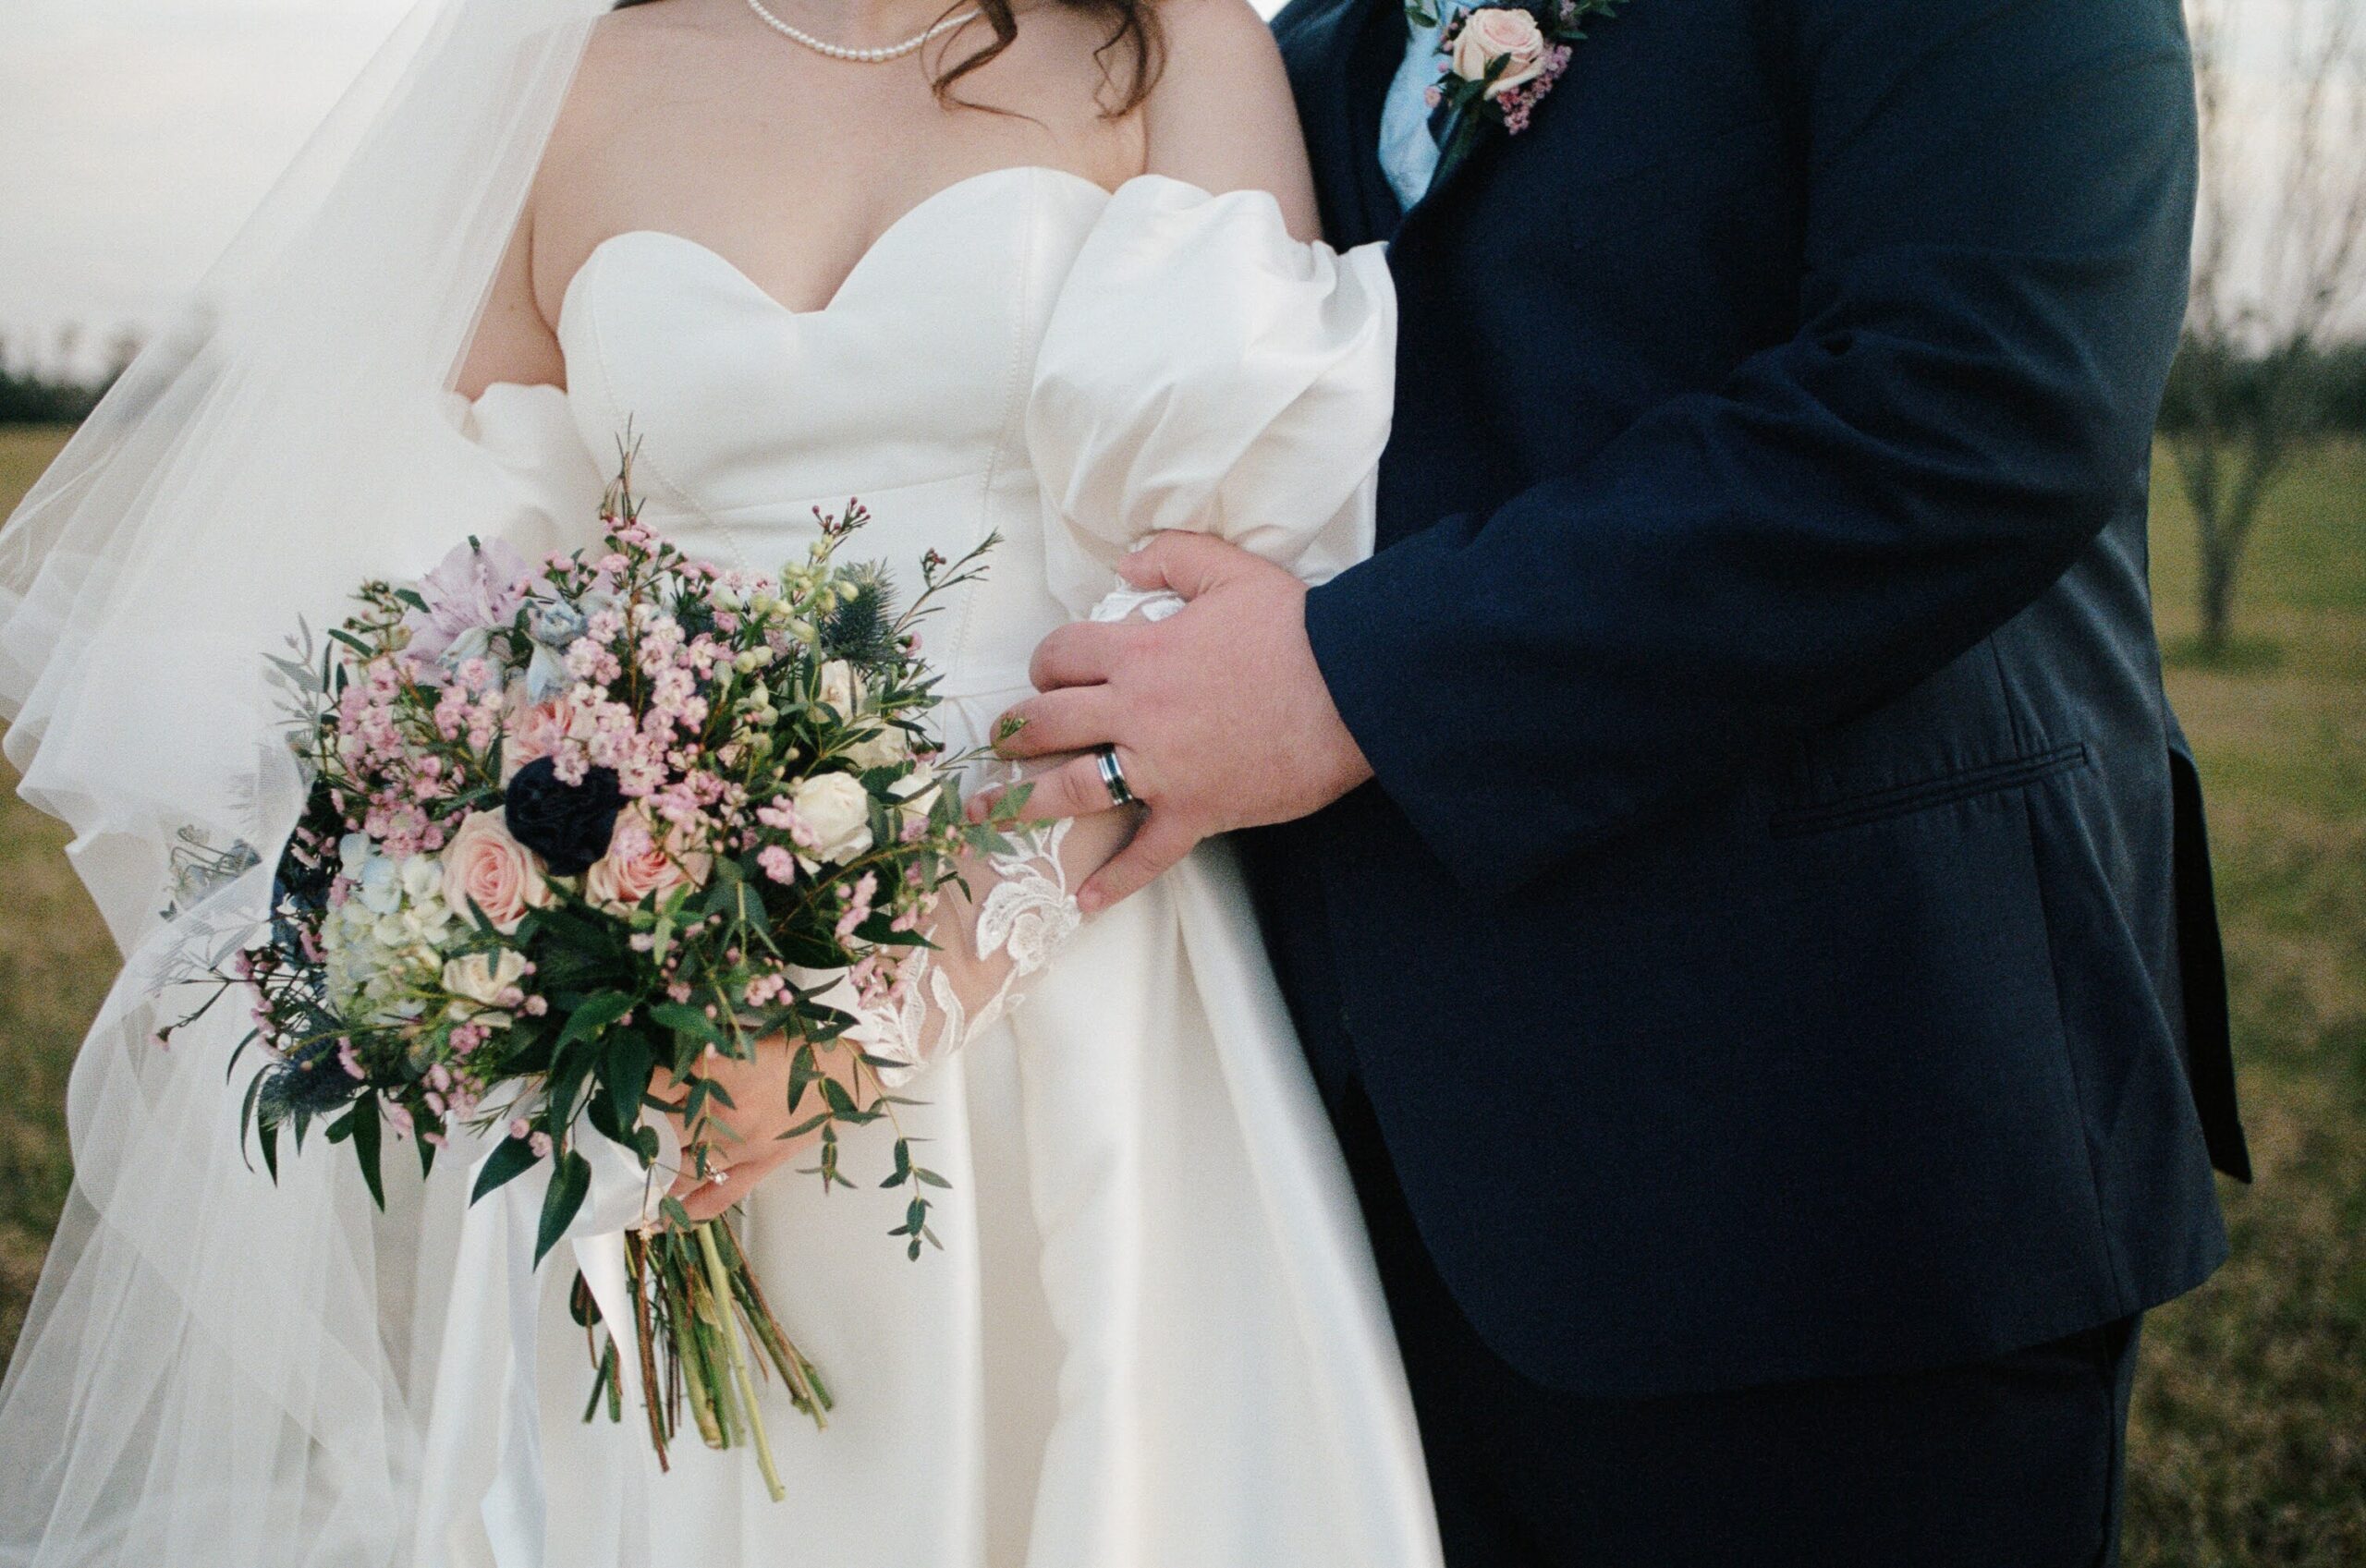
(1999,214)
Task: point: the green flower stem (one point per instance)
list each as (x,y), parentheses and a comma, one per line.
(805,1384)
(645,1341)
(683,1320)
(722,1283)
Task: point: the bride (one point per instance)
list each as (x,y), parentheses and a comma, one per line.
(1044,270)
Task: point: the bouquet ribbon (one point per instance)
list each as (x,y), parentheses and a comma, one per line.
(500,1237)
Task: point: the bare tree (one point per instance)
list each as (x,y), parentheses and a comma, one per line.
(2278,259)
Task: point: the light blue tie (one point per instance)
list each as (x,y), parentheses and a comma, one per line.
(1408,148)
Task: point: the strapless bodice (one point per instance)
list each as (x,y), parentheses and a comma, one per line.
(1023,354)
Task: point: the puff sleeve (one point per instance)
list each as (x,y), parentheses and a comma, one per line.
(1203,370)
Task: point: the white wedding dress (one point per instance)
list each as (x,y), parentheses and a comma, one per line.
(1152,1338)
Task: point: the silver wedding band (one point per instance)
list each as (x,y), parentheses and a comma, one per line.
(1113,776)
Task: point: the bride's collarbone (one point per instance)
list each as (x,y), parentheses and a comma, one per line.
(794,168)
(801,265)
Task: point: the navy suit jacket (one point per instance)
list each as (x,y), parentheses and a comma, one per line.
(1778,941)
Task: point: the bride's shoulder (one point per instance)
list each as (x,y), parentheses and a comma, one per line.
(1221,116)
(639,44)
(1223,44)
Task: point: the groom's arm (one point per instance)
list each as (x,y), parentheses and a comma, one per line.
(1997,244)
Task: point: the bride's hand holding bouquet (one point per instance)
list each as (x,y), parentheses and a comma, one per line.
(592,846)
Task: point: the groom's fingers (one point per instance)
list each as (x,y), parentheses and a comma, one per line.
(1075,720)
(1163,840)
(1080,654)
(1188,563)
(1074,788)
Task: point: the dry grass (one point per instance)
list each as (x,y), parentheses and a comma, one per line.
(2250,1445)
(2250,1414)
(55,962)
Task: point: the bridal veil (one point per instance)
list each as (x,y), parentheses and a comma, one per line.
(217,1369)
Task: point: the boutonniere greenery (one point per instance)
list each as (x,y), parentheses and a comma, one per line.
(1499,62)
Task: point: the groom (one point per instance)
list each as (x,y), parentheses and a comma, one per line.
(1745,896)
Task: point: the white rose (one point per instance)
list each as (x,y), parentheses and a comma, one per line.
(485,978)
(835,687)
(917,793)
(885,750)
(834,810)
(1499,32)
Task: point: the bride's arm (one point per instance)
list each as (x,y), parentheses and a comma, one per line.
(513,342)
(1222,116)
(989,938)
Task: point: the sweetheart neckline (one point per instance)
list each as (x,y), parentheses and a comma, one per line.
(903,221)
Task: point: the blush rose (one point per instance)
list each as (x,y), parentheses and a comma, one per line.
(1500,33)
(638,863)
(484,867)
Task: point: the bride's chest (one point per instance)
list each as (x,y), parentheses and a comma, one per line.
(910,381)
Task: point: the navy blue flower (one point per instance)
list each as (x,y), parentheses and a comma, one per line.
(568,825)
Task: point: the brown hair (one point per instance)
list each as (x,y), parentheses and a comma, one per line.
(1131,56)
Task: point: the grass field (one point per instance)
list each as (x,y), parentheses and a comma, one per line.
(2250,1445)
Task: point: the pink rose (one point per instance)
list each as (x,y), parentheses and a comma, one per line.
(537,730)
(638,864)
(485,866)
(1504,33)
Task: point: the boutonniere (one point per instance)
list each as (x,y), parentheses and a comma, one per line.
(1499,63)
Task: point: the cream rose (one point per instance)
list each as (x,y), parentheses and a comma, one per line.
(885,750)
(638,864)
(916,792)
(834,810)
(1500,33)
(485,977)
(835,687)
(483,865)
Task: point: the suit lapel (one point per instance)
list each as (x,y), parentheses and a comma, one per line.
(1450,175)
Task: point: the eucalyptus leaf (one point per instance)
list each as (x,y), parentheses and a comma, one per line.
(510,1159)
(569,1182)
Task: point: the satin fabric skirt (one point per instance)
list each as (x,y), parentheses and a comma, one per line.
(1152,1337)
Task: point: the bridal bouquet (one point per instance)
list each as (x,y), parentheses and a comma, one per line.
(575,830)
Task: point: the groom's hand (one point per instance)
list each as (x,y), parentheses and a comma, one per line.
(1219,713)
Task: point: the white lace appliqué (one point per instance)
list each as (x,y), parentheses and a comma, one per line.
(1024,913)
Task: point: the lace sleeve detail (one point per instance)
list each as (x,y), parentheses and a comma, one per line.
(1018,912)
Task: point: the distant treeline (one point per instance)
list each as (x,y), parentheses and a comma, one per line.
(33,397)
(58,388)
(2330,382)
(2336,384)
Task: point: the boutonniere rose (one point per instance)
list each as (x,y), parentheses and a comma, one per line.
(1499,49)
(1500,61)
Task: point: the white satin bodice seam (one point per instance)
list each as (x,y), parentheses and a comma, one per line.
(646,467)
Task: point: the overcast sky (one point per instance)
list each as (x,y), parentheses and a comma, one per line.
(135,135)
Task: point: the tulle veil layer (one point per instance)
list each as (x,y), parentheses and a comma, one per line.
(217,1370)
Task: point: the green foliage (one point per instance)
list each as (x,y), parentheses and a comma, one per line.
(863,629)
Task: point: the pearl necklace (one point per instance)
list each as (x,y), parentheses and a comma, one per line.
(860,57)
